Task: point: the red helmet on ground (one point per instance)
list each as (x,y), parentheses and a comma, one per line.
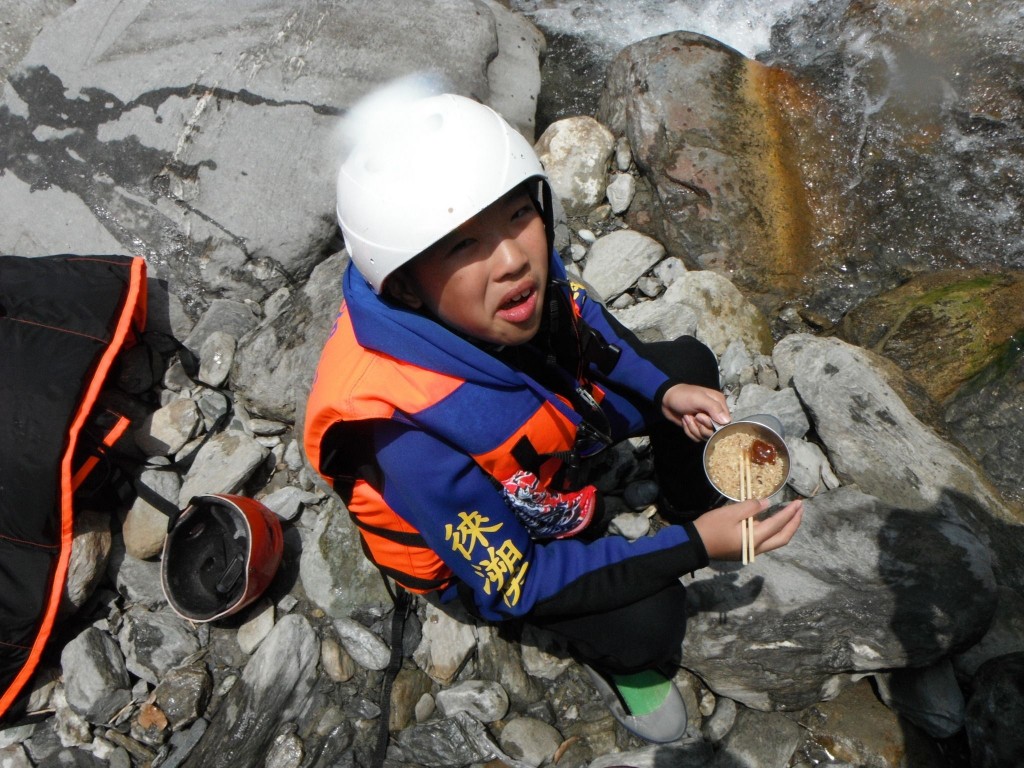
(219,555)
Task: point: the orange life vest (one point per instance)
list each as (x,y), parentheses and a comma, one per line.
(354,384)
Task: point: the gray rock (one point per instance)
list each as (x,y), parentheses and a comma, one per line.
(13,756)
(759,738)
(22,21)
(145,526)
(73,758)
(154,642)
(876,442)
(425,707)
(575,153)
(810,471)
(368,650)
(458,740)
(267,427)
(623,154)
(258,624)
(1005,635)
(987,417)
(994,713)
(96,680)
(530,740)
(928,696)
(783,404)
(214,406)
(617,260)
(287,503)
(138,580)
(285,752)
(543,656)
(216,356)
(514,74)
(70,727)
(736,366)
(222,465)
(235,318)
(275,684)
(649,286)
(669,269)
(449,638)
(90,554)
(182,743)
(497,658)
(183,694)
(863,586)
(630,525)
(620,192)
(166,430)
(484,700)
(335,574)
(214,101)
(720,722)
(15,734)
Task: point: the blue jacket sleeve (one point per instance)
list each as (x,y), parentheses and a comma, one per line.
(633,371)
(458,510)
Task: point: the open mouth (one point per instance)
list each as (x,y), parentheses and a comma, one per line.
(516,300)
(519,307)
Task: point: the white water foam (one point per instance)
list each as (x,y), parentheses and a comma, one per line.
(745,25)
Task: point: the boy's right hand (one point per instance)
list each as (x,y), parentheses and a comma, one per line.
(721,530)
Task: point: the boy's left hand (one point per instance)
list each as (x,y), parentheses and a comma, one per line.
(695,409)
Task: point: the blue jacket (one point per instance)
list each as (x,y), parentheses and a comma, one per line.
(424,423)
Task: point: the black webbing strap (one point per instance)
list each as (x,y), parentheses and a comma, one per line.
(402,605)
(399,537)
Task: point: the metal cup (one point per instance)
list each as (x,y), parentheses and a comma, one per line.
(761,426)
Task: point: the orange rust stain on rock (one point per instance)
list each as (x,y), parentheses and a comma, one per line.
(775,185)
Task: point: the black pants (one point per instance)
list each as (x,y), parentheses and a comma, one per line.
(648,634)
(678,460)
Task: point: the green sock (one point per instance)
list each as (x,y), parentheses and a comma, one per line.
(643,692)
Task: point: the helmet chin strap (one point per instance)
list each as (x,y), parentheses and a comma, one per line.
(547,211)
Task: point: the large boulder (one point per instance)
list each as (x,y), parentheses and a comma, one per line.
(987,417)
(863,586)
(942,328)
(202,136)
(876,443)
(707,134)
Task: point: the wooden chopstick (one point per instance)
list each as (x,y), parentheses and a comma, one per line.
(743,497)
(746,524)
(750,520)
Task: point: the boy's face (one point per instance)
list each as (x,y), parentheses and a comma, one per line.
(487,277)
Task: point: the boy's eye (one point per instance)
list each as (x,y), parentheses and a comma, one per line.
(460,245)
(525,210)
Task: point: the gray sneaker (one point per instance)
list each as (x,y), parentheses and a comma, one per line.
(666,723)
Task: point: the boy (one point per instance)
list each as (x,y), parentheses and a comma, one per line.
(466,382)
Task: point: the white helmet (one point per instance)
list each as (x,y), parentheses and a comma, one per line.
(440,161)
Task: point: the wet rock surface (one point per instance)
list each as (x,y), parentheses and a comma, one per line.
(887,631)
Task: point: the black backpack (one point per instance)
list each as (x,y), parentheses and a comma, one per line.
(63,322)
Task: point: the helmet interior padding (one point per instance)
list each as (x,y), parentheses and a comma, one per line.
(205,561)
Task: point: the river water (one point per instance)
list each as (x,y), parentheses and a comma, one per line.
(927,94)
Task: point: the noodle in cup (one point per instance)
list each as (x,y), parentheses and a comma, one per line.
(758,438)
